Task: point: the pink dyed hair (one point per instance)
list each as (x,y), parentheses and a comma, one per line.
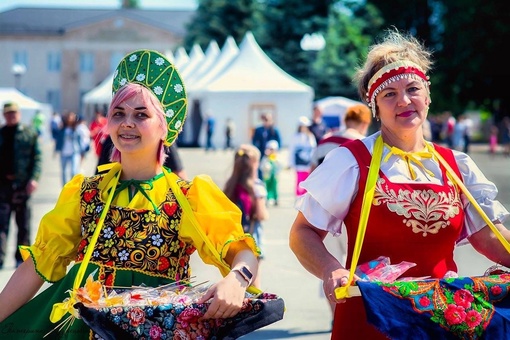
(150,101)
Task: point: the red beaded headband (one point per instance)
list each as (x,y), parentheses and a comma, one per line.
(390,73)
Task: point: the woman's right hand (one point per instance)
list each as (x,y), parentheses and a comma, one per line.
(337,278)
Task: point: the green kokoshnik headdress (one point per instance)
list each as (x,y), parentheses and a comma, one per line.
(153,70)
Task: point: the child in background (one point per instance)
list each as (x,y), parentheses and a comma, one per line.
(245,189)
(493,140)
(270,167)
(301,148)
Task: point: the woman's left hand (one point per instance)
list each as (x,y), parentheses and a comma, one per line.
(226,297)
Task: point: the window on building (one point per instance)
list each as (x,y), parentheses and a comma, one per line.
(53,98)
(115,59)
(86,62)
(54,61)
(21,58)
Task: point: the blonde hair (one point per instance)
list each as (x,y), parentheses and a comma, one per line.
(395,46)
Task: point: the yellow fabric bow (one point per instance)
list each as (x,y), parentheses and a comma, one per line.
(409,157)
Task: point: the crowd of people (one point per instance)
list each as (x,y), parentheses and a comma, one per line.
(129,210)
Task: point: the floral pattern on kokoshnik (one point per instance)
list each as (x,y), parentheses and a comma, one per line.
(137,240)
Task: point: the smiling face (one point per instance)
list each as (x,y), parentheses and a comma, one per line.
(402,107)
(135,129)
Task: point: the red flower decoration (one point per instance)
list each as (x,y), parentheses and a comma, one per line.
(83,244)
(89,194)
(163,264)
(109,280)
(424,301)
(120,231)
(463,298)
(455,315)
(170,208)
(136,316)
(473,318)
(188,316)
(496,290)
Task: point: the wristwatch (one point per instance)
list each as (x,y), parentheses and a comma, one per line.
(245,273)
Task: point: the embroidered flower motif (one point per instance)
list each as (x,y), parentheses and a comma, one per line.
(425,211)
(454,315)
(108,233)
(169,113)
(178,124)
(123,255)
(156,240)
(159,61)
(133,57)
(123,81)
(158,90)
(178,88)
(136,316)
(463,298)
(140,77)
(461,306)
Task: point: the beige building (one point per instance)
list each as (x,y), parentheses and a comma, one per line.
(57,55)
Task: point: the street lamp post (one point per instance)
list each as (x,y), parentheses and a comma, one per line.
(312,43)
(18,70)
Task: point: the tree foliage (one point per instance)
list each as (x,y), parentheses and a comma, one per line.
(217,20)
(467,37)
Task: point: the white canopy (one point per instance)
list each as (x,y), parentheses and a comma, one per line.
(228,52)
(250,84)
(211,54)
(99,97)
(196,56)
(181,57)
(28,105)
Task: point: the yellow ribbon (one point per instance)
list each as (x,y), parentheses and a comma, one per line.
(409,157)
(343,292)
(60,309)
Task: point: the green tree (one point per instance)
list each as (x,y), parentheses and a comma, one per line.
(470,63)
(280,25)
(349,33)
(218,19)
(130,4)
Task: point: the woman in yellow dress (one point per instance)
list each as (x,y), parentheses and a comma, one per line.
(144,237)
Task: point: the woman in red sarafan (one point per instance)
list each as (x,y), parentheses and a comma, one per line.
(417,214)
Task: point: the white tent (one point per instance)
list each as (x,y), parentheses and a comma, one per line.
(191,131)
(28,106)
(228,52)
(181,57)
(249,85)
(196,56)
(97,98)
(211,54)
(334,108)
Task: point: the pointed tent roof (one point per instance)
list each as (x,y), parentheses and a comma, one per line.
(170,56)
(253,71)
(228,52)
(195,58)
(181,58)
(101,94)
(211,53)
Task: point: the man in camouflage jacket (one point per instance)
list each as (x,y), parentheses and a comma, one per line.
(19,175)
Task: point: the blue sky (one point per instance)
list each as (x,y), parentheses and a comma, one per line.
(148,4)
